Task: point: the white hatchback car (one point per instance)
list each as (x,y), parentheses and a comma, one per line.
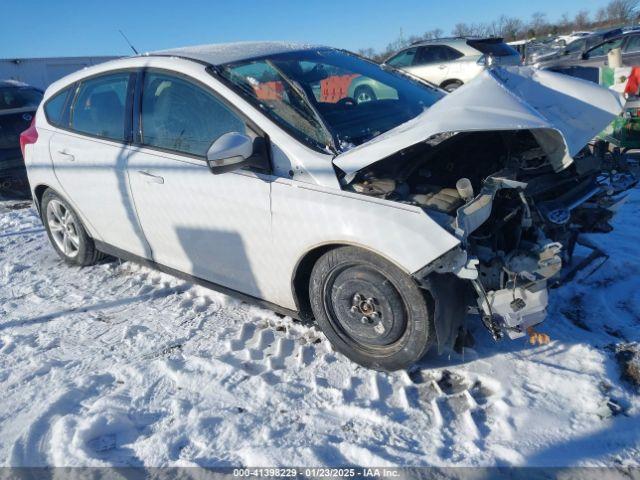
(452,62)
(385,221)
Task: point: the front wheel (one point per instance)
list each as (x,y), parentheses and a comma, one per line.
(364,94)
(370,310)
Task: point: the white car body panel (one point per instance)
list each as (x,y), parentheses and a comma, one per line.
(79,161)
(565,112)
(215,227)
(435,73)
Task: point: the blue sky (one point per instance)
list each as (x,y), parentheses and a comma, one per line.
(33,28)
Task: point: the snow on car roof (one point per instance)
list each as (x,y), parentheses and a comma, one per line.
(218,54)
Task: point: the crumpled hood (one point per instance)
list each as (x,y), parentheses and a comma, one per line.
(564,113)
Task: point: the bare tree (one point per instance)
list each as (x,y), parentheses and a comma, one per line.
(615,13)
(461,30)
(538,23)
(430,34)
(367,52)
(511,28)
(622,10)
(581,20)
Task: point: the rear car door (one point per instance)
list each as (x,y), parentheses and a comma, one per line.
(89,151)
(214,227)
(431,63)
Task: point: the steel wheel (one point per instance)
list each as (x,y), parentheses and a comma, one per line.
(63,228)
(364,307)
(370,310)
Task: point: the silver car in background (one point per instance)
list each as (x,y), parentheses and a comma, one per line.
(385,221)
(452,62)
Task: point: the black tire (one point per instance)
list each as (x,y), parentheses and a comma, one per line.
(451,86)
(370,310)
(364,94)
(85,253)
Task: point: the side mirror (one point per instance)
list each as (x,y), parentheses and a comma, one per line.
(584,56)
(231,151)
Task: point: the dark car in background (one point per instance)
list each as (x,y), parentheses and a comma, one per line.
(587,65)
(573,52)
(18,105)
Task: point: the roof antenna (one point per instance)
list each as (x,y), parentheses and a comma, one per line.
(127,40)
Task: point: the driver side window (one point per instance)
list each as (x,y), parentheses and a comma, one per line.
(180,116)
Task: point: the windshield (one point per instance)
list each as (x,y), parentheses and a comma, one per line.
(330,99)
(19,97)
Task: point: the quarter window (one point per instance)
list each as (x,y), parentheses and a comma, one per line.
(53,109)
(633,44)
(99,108)
(435,54)
(180,116)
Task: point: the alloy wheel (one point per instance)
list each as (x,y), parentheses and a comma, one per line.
(63,228)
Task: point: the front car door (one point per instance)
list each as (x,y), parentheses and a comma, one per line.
(214,227)
(89,152)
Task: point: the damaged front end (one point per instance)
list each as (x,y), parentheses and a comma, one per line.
(517,219)
(519,201)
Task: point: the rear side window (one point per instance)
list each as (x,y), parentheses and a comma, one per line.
(180,116)
(633,44)
(99,107)
(403,59)
(492,47)
(54,107)
(436,54)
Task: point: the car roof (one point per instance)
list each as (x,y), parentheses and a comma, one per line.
(447,40)
(222,53)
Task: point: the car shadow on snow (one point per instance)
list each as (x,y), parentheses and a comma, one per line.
(104,305)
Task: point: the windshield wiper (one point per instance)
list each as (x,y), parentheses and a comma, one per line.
(300,91)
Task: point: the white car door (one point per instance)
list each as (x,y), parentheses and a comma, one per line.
(215,227)
(89,157)
(431,63)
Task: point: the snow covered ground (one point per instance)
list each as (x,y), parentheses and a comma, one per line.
(120,365)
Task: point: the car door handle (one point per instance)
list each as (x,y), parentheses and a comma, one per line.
(442,67)
(150,178)
(68,155)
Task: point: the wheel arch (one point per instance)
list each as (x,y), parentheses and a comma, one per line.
(451,80)
(304,266)
(38,193)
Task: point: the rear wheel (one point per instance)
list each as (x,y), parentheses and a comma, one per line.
(370,310)
(66,232)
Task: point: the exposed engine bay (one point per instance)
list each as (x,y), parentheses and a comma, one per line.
(517,218)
